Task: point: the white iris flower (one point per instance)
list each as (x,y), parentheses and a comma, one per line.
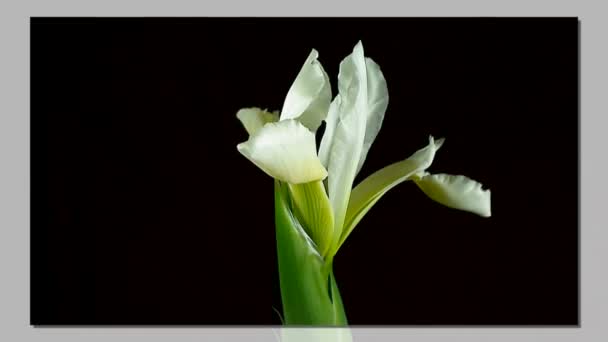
(321,180)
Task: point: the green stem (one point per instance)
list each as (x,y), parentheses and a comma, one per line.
(309,291)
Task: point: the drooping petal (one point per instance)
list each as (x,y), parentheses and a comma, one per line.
(342,155)
(255,118)
(285,150)
(377,102)
(371,189)
(456,191)
(309,96)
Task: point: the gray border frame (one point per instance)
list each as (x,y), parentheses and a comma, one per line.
(15,187)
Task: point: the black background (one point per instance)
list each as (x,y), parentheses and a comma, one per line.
(143,211)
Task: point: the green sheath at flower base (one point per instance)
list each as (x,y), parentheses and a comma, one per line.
(312,208)
(309,291)
(317,205)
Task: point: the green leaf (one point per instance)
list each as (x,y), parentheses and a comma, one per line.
(309,291)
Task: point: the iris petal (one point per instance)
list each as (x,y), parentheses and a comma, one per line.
(285,150)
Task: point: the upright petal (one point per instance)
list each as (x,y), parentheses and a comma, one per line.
(371,189)
(342,156)
(377,102)
(331,123)
(458,192)
(309,96)
(255,118)
(285,150)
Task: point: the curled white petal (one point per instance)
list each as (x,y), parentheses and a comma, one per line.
(456,191)
(309,96)
(285,150)
(255,118)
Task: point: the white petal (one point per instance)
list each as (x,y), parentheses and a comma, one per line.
(372,188)
(347,139)
(255,118)
(377,102)
(309,96)
(458,192)
(330,127)
(285,150)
